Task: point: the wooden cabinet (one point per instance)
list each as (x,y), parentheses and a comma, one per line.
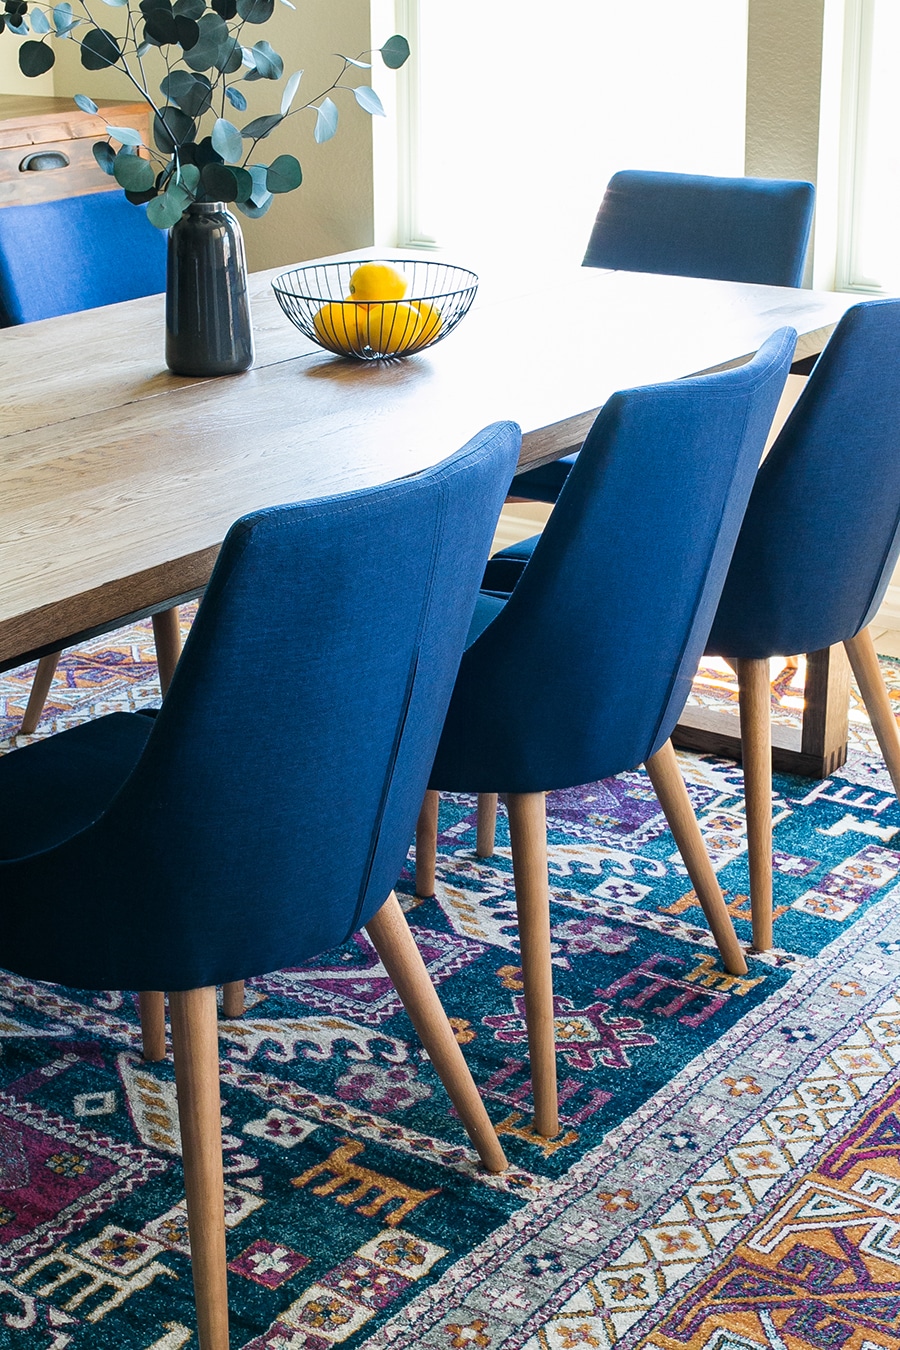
(45,146)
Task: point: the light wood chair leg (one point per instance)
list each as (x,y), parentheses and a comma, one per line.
(402,960)
(487,824)
(152,1005)
(528,837)
(233,999)
(40,688)
(196,1051)
(669,787)
(426,844)
(867,672)
(167,637)
(755,694)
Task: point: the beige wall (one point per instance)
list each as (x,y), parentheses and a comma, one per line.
(12,81)
(784,73)
(333,210)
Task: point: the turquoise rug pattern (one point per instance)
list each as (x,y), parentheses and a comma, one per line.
(356,1214)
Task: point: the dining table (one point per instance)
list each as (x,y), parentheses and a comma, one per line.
(119,480)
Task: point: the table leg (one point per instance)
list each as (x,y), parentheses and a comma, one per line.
(813,751)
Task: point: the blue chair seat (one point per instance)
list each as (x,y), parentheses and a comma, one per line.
(65,782)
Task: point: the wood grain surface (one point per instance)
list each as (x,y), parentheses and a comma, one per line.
(119,480)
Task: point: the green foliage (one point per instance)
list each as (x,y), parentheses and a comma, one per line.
(206,58)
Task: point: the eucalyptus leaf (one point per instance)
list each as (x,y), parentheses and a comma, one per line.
(99,49)
(142,48)
(257,174)
(288,3)
(284,174)
(159,27)
(104,155)
(236,98)
(245,184)
(326,121)
(213,35)
(230,57)
(290,89)
(352,61)
(226,8)
(116,4)
(267,63)
(20,29)
(259,128)
(188,175)
(133,173)
(192,93)
(187,32)
(39,21)
(189,9)
(35,58)
(226,140)
(85,104)
(172,127)
(127,135)
(64,21)
(255,11)
(205,154)
(220,182)
(166,211)
(250,208)
(147,6)
(395,52)
(139,198)
(368,100)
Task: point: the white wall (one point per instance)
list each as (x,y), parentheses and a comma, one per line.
(527,113)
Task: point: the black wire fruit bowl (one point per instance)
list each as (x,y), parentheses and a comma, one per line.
(317,300)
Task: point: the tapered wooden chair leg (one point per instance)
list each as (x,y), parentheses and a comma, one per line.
(152,1005)
(755,695)
(487,824)
(233,999)
(196,1051)
(528,837)
(40,688)
(401,959)
(167,637)
(669,787)
(426,844)
(867,673)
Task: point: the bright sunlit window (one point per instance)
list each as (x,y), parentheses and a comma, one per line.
(869,248)
(519,115)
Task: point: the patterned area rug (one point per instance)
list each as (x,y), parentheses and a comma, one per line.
(727,1174)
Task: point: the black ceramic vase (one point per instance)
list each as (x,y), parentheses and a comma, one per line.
(207,307)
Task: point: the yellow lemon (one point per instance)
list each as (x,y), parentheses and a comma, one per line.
(341,326)
(377,281)
(394,328)
(431,321)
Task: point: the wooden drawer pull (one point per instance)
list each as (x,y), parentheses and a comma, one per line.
(43,161)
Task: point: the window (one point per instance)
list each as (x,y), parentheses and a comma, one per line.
(515,124)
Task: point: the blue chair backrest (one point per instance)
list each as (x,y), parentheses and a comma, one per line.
(78,253)
(585,670)
(822,531)
(270,813)
(728,229)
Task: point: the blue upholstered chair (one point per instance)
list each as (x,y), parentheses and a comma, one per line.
(263,841)
(78,253)
(64,256)
(583,670)
(815,554)
(688,225)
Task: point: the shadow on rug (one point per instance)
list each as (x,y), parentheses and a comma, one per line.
(727,1174)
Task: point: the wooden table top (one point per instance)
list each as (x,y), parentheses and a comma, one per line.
(118,480)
